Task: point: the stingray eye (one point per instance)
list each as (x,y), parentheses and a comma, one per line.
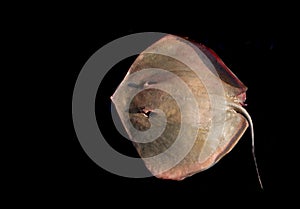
(180,97)
(147,113)
(149,83)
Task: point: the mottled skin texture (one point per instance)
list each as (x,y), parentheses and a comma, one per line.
(144,103)
(151,99)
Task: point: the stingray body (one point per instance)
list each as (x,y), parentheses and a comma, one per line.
(182,107)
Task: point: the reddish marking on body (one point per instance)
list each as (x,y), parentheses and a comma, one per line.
(242,98)
(220,62)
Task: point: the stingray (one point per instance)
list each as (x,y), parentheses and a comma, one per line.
(182,108)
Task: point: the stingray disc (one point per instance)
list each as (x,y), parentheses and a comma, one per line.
(180,105)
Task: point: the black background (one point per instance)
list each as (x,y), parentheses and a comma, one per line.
(251,55)
(54,41)
(252,49)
